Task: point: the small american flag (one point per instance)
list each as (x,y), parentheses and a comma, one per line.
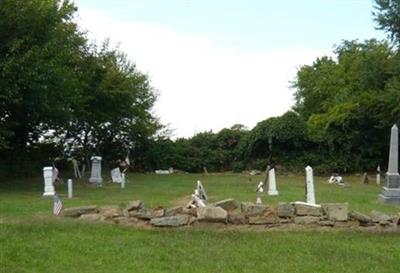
(57,205)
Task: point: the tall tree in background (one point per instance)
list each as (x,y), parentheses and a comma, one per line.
(39,51)
(387,15)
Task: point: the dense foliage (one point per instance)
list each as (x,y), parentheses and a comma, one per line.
(61,97)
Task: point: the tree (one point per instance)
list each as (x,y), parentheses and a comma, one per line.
(39,50)
(387,15)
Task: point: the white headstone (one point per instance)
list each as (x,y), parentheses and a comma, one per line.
(48,181)
(77,173)
(258,201)
(310,185)
(123,181)
(95,174)
(272,183)
(70,190)
(201,191)
(378,175)
(260,187)
(116,175)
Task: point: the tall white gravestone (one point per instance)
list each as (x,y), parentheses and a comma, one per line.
(378,175)
(48,181)
(310,195)
(95,175)
(69,188)
(391,191)
(272,183)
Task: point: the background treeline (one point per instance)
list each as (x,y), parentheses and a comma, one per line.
(62,97)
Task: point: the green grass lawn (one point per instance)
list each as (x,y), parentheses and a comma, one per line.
(32,240)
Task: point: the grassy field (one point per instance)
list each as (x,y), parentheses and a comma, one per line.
(32,240)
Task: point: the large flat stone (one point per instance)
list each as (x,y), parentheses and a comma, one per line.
(78,211)
(171,221)
(212,214)
(251,209)
(174,211)
(363,219)
(227,204)
(262,220)
(285,210)
(379,217)
(306,220)
(91,217)
(134,205)
(305,209)
(336,211)
(110,211)
(237,219)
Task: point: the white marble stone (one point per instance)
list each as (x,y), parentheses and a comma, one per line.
(310,195)
(201,191)
(378,175)
(260,187)
(95,174)
(70,188)
(48,181)
(116,175)
(272,183)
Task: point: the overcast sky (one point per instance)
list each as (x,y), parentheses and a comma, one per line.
(219,63)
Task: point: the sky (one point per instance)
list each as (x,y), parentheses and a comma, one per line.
(218,63)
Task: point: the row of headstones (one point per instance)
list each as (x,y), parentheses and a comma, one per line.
(50,175)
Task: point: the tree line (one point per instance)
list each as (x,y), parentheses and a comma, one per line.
(62,96)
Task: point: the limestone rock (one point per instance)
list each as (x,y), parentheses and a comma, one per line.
(379,217)
(91,217)
(305,209)
(134,205)
(110,211)
(174,211)
(251,209)
(336,211)
(78,211)
(212,214)
(236,219)
(227,204)
(262,220)
(170,221)
(363,219)
(285,210)
(306,220)
(125,221)
(326,223)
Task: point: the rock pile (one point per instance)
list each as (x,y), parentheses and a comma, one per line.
(230,212)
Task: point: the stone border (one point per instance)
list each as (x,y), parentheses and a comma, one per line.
(227,213)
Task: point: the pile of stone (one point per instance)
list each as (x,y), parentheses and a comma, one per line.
(229,212)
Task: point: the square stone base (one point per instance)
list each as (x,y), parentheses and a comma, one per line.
(390,196)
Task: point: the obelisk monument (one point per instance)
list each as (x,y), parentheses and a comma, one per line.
(391,191)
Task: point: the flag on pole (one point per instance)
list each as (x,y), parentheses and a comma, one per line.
(57,205)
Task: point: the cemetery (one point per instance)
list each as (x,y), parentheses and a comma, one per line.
(113,156)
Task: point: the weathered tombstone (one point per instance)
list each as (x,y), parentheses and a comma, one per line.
(116,175)
(310,195)
(378,175)
(70,190)
(77,173)
(205,171)
(260,189)
(123,180)
(272,183)
(95,175)
(48,181)
(365,179)
(391,192)
(201,191)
